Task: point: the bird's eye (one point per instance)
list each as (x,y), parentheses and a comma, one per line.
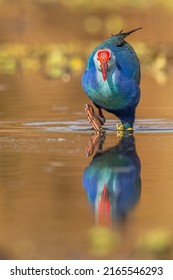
(110,58)
(97,58)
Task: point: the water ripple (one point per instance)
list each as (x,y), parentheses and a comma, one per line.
(141,125)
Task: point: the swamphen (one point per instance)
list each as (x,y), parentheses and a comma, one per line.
(112,179)
(111,80)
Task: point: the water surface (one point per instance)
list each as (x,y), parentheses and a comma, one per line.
(46,211)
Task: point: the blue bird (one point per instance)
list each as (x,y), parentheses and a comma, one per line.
(112,179)
(111,80)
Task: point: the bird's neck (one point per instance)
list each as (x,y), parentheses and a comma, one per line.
(113,70)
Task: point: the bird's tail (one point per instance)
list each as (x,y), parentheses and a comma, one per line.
(125,34)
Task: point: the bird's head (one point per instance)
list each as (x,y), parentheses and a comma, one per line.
(104,60)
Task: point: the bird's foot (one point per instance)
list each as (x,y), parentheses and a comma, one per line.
(121,130)
(96,139)
(95,120)
(130,129)
(120,127)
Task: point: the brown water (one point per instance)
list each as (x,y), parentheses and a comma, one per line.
(46,205)
(45,213)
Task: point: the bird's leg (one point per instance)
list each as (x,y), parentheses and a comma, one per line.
(101,116)
(127,118)
(96,139)
(95,120)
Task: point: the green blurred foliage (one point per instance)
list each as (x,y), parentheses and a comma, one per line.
(102,240)
(156,243)
(67,60)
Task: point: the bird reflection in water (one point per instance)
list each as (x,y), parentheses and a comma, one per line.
(112,179)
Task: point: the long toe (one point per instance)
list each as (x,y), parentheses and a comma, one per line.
(93,118)
(130,129)
(120,127)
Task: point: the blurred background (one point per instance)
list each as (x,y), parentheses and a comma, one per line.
(45,212)
(44,45)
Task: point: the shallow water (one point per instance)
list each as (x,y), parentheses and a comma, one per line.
(66,193)
(45,212)
(49,208)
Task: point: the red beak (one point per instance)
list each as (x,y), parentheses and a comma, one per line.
(104,68)
(103,57)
